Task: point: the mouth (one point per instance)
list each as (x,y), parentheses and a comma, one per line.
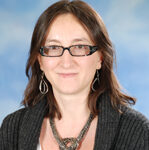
(67,75)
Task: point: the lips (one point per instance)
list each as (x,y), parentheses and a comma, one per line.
(67,75)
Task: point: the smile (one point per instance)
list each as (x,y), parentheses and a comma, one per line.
(67,75)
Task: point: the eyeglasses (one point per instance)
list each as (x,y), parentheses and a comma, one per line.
(74,50)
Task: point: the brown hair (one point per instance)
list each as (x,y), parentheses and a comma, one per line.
(94,24)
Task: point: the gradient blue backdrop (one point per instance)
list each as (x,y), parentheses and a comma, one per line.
(127,22)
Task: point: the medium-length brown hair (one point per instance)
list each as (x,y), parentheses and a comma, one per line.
(93,23)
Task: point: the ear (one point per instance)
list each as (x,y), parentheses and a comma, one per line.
(40,61)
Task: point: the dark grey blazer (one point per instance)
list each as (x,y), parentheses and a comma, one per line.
(129,131)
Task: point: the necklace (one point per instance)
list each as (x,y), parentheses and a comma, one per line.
(73,142)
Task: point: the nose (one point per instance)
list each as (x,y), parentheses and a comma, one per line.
(66,59)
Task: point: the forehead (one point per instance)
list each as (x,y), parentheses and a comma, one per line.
(67,27)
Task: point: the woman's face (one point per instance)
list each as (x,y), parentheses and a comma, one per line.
(68,74)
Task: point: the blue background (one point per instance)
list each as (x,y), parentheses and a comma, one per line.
(127,22)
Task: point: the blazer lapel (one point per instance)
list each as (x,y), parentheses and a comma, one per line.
(108,120)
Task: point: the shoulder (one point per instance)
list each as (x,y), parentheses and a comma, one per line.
(21,124)
(13,119)
(24,113)
(133,129)
(15,114)
(134,117)
(10,126)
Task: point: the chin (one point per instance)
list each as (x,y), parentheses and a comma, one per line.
(68,90)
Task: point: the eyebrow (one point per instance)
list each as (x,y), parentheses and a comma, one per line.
(81,40)
(52,40)
(73,41)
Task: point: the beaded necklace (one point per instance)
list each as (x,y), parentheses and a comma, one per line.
(72,142)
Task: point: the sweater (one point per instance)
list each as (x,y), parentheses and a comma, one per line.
(115,131)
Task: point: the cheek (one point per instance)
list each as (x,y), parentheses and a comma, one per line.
(48,64)
(90,62)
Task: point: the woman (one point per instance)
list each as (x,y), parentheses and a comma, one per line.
(73,100)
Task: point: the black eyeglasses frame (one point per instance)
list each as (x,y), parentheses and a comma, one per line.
(92,50)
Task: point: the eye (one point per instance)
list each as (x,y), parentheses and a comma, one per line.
(54,47)
(80,46)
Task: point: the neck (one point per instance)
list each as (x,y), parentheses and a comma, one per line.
(73,106)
